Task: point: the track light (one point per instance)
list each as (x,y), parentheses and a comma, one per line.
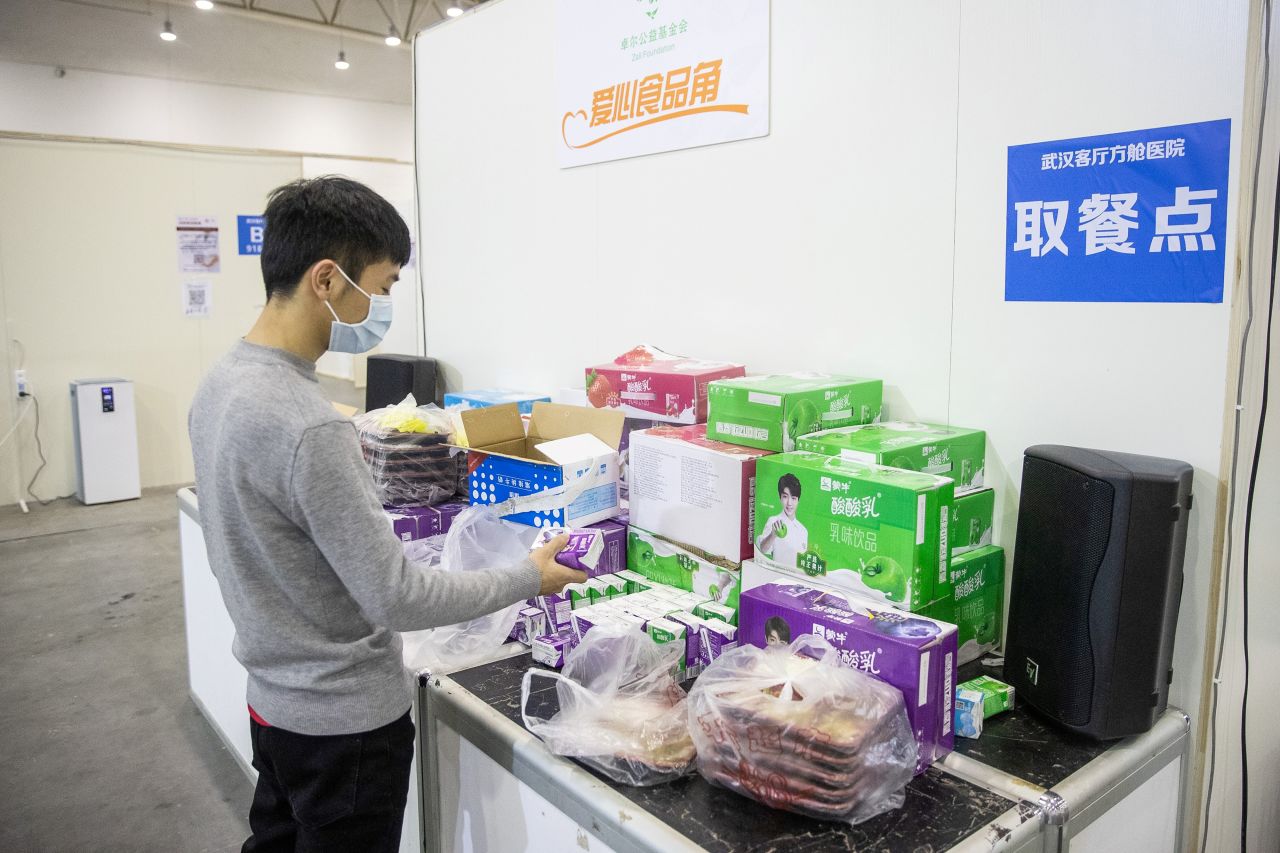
(393,38)
(167,33)
(454,11)
(342,64)
(204,5)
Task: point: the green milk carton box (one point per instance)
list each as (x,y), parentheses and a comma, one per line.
(698,574)
(876,531)
(971,517)
(976,603)
(954,452)
(772,412)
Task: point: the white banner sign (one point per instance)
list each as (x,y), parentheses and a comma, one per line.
(636,77)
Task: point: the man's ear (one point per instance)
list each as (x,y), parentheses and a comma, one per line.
(320,278)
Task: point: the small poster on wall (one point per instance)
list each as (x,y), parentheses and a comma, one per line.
(249,232)
(636,77)
(198,244)
(197,298)
(1139,216)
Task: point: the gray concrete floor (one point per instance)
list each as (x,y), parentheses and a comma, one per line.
(102,748)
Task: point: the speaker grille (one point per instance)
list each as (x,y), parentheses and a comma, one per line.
(1064,526)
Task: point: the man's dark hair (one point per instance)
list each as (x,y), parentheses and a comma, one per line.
(777,626)
(789,481)
(328,217)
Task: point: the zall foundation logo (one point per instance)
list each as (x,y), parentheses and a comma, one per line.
(632,104)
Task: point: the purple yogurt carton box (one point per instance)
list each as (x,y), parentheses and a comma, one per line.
(914,654)
(550,649)
(613,556)
(557,608)
(440,519)
(407,521)
(581,552)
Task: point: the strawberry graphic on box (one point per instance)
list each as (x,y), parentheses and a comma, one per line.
(645,382)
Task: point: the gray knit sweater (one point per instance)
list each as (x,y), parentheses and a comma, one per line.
(314,579)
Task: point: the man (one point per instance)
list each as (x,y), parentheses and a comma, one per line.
(312,575)
(784,538)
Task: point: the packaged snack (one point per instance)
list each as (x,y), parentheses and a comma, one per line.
(877,531)
(947,451)
(914,654)
(647,383)
(621,710)
(407,449)
(790,728)
(773,412)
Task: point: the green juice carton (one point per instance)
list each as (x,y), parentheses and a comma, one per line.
(772,412)
(971,518)
(976,603)
(876,531)
(997,697)
(954,452)
(683,568)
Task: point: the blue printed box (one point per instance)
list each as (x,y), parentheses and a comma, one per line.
(486,397)
(563,444)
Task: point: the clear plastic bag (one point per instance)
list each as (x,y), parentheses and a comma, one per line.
(621,708)
(791,728)
(479,539)
(407,449)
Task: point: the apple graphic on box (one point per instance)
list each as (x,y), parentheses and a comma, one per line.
(802,419)
(884,575)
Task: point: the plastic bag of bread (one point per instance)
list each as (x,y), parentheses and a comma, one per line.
(616,706)
(406,447)
(791,728)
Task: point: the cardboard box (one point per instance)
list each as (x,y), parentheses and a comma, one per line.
(486,397)
(650,384)
(695,490)
(682,568)
(880,532)
(976,603)
(954,452)
(564,443)
(914,654)
(772,412)
(972,515)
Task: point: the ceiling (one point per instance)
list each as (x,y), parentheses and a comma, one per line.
(285,45)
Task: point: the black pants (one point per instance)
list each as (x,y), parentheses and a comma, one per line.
(329,793)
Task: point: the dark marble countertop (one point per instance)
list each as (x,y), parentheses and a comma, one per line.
(940,810)
(1024,744)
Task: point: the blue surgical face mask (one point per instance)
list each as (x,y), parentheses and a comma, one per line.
(365,335)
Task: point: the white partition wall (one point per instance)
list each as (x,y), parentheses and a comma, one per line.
(865,234)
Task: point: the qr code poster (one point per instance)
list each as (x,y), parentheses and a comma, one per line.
(197,298)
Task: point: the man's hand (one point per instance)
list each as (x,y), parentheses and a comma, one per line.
(555,577)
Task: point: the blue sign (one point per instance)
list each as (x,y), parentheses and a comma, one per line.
(1125,217)
(251,228)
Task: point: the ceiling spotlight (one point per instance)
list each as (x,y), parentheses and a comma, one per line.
(454,11)
(167,33)
(204,5)
(393,38)
(342,64)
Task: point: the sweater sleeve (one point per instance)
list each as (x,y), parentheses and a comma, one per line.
(335,503)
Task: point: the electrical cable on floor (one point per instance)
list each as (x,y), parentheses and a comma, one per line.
(1212,745)
(43,462)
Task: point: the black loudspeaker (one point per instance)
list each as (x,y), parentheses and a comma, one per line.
(391,377)
(1097,576)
